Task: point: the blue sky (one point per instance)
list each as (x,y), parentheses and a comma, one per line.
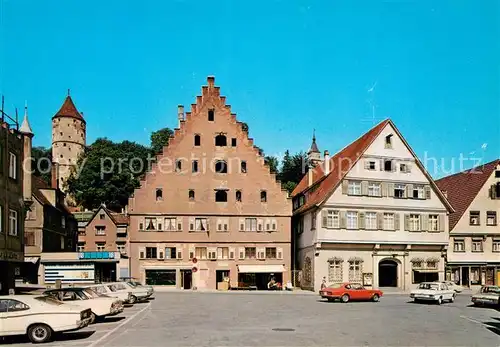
(286,67)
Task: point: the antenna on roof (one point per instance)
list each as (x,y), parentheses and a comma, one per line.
(68,92)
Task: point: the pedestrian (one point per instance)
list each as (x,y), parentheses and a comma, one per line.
(323,283)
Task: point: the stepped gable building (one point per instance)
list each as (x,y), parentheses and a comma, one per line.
(209,213)
(68,140)
(370,214)
(474,250)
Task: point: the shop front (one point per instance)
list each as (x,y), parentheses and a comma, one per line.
(470,275)
(258,276)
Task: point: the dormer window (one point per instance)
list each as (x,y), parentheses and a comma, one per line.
(211,115)
(388,141)
(221,140)
(159,194)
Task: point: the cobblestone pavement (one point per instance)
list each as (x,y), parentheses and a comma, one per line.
(251,319)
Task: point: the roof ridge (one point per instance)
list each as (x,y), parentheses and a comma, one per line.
(468,171)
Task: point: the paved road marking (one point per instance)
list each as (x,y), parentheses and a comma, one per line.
(101,339)
(472,320)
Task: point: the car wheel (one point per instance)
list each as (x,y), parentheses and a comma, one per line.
(375,297)
(39,333)
(345,298)
(452,298)
(93,318)
(439,301)
(416,300)
(133,299)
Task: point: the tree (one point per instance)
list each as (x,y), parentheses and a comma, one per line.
(272,162)
(244,126)
(41,164)
(108,173)
(292,170)
(159,139)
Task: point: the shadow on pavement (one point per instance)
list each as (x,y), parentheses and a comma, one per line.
(493,326)
(112,319)
(75,335)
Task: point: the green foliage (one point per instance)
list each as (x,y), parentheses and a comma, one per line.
(293,168)
(245,127)
(272,162)
(159,139)
(41,164)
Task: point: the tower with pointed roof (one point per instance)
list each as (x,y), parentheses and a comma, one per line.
(25,129)
(314,155)
(68,140)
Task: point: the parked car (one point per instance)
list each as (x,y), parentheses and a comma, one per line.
(346,292)
(39,317)
(109,290)
(452,285)
(101,306)
(135,284)
(433,291)
(487,296)
(121,288)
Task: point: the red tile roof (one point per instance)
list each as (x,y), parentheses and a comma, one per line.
(68,109)
(340,164)
(461,188)
(119,218)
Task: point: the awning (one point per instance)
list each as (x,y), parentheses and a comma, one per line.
(261,268)
(33,260)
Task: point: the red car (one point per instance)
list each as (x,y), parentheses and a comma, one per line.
(346,292)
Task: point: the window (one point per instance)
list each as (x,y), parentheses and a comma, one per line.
(170,224)
(222,225)
(191,194)
(370,165)
(335,271)
(332,219)
(355,270)
(120,247)
(151,253)
(387,165)
(388,141)
(200,252)
(170,253)
(433,222)
(211,115)
(491,218)
(496,245)
(477,245)
(12,165)
(497,173)
(250,252)
(414,222)
(221,140)
(220,166)
(270,252)
(159,194)
(458,245)
(81,247)
(403,167)
(374,189)
(178,165)
(13,225)
(63,222)
(354,188)
(100,230)
(101,247)
(194,166)
(399,191)
(418,192)
(352,220)
(102,216)
(243,166)
(150,223)
(201,224)
(220,196)
(475,218)
(197,140)
(250,224)
(263,196)
(371,220)
(11,305)
(238,195)
(233,142)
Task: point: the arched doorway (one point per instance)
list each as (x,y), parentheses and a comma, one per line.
(388,273)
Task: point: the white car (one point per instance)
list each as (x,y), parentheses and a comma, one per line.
(39,317)
(433,291)
(106,289)
(139,285)
(101,306)
(137,293)
(453,286)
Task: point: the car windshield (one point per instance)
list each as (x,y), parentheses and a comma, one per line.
(431,286)
(90,293)
(49,300)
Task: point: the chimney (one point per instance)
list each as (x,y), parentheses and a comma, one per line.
(180,114)
(55,175)
(327,162)
(310,176)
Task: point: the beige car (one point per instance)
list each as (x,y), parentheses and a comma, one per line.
(39,317)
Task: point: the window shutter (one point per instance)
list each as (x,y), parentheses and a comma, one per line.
(390,190)
(260,253)
(191,224)
(142,253)
(393,165)
(274,225)
(159,252)
(383,189)
(361,220)
(191,252)
(407,222)
(159,224)
(367,164)
(219,253)
(260,224)
(242,224)
(409,191)
(231,252)
(380,221)
(178,249)
(179,223)
(396,221)
(345,187)
(441,222)
(219,225)
(141,224)
(324,218)
(241,252)
(427,192)
(279,253)
(408,168)
(364,188)
(424,222)
(342,220)
(208,224)
(381,165)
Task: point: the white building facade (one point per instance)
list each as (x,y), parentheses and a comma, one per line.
(379,220)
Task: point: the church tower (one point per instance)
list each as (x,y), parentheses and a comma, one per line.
(68,140)
(314,155)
